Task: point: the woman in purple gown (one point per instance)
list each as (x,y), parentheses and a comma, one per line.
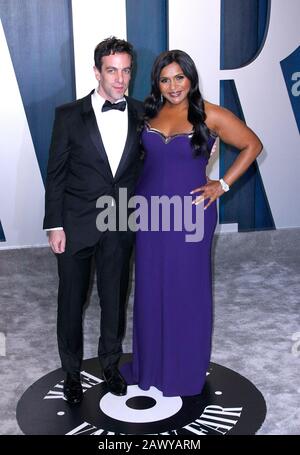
(172,322)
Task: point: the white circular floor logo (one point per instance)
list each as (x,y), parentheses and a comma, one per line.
(228,404)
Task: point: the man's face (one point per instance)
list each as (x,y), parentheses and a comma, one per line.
(114,76)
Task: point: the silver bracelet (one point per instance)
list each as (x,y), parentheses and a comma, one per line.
(224,185)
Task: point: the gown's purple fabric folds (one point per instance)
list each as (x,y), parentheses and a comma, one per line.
(173,290)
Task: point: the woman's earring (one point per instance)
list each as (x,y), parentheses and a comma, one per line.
(161,99)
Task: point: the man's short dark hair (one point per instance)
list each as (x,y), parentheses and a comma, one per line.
(111,45)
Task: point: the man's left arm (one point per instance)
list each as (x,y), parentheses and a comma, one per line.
(56,173)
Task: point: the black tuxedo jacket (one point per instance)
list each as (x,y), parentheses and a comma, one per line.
(79,172)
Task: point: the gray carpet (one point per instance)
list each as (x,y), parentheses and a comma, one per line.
(256,316)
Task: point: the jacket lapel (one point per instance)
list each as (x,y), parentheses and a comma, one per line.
(131,136)
(90,121)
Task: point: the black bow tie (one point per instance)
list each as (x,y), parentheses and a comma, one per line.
(107,106)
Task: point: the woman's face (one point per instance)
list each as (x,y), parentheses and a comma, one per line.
(173,84)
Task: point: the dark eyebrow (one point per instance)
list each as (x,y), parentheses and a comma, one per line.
(115,68)
(178,74)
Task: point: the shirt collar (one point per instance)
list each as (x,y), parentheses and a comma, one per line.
(99,100)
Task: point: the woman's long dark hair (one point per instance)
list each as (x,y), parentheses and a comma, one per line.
(196,113)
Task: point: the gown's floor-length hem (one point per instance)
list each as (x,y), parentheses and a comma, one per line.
(145,387)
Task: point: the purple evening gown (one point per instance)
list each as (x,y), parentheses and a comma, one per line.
(172,321)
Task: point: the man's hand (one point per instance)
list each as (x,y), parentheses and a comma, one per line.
(57,241)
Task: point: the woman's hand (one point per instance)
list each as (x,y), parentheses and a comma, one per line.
(212,191)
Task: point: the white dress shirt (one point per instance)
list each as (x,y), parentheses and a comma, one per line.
(113,127)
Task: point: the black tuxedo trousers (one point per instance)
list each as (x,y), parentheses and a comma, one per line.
(111,257)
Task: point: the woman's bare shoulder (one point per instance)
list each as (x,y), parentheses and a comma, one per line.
(215,114)
(212,109)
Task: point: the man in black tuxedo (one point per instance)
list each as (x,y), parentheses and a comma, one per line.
(94,152)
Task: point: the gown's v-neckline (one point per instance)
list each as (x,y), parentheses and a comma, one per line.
(165,138)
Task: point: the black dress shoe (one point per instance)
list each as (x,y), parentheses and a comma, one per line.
(116,384)
(73,388)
